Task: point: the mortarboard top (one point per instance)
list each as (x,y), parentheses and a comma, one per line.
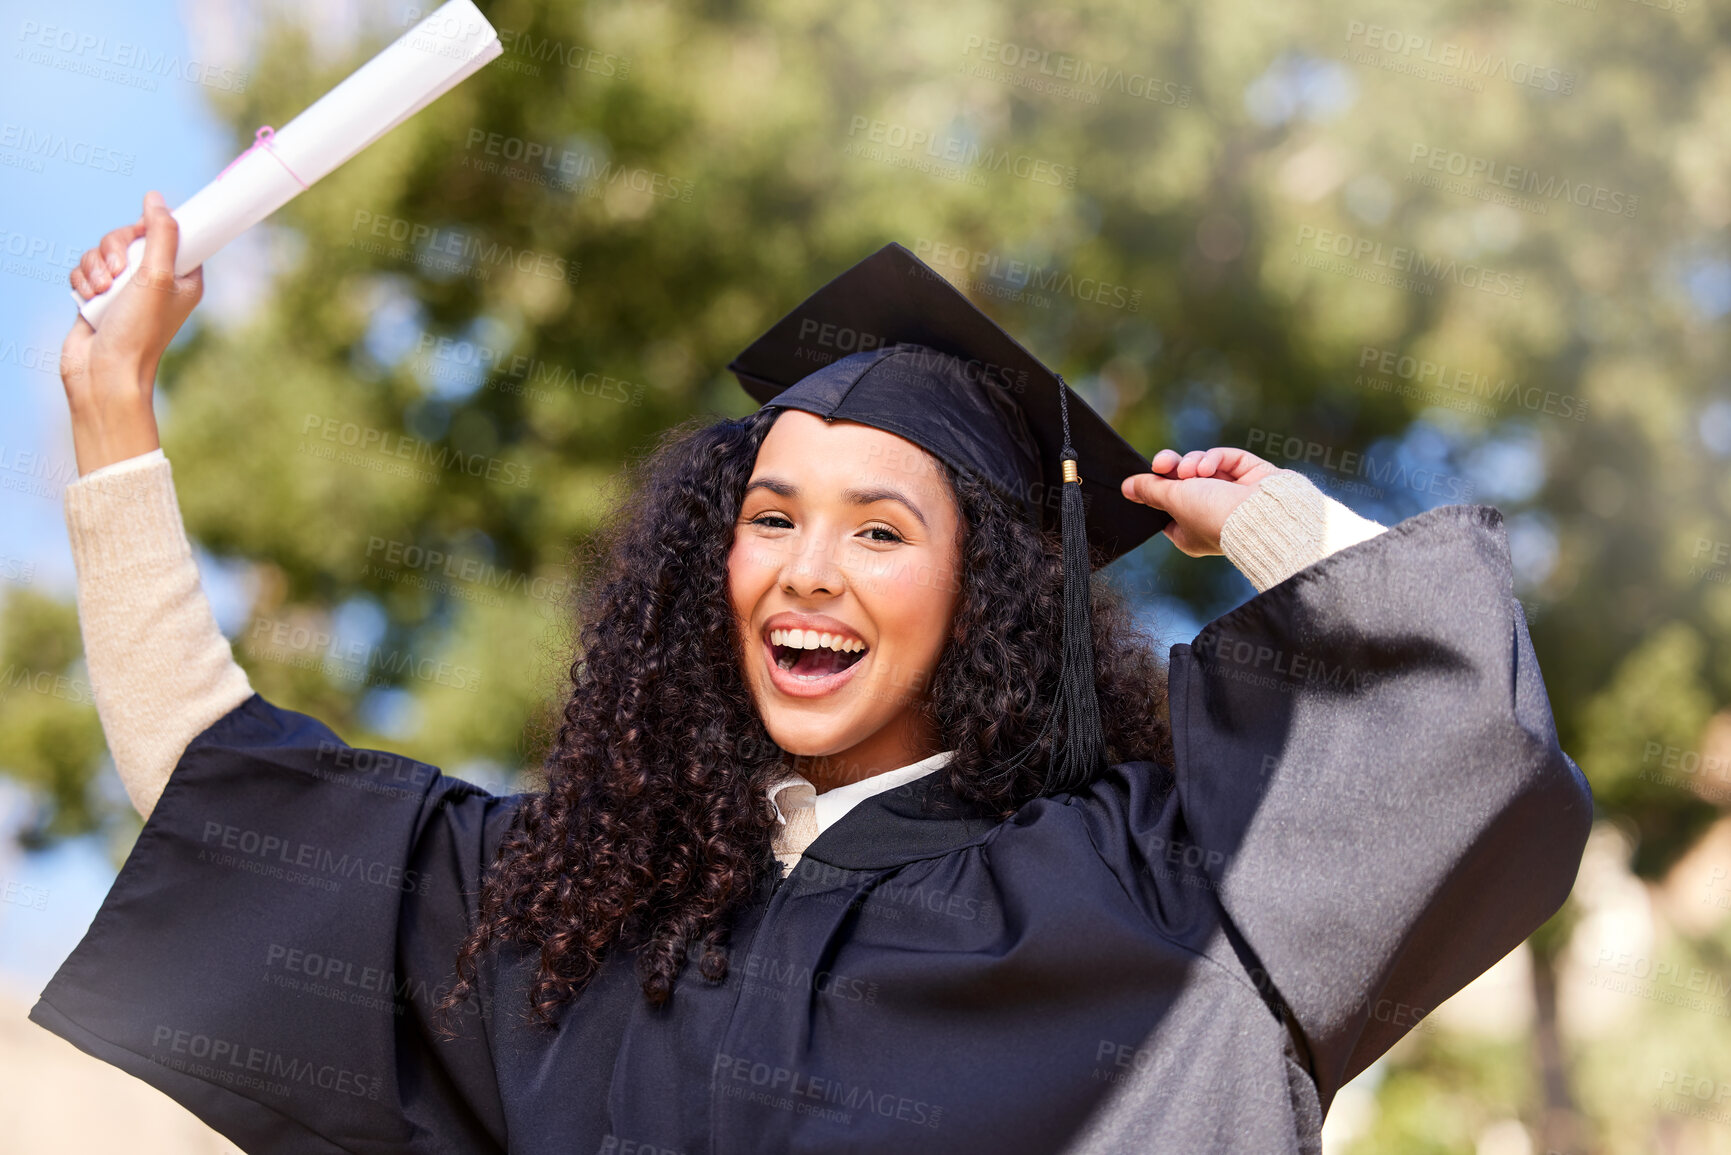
(891,344)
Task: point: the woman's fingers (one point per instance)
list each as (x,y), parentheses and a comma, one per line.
(1235,463)
(96,270)
(113,246)
(161,238)
(178,295)
(1226,462)
(1149,489)
(1165,461)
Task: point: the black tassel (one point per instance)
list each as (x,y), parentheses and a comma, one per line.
(1083,752)
(1075,712)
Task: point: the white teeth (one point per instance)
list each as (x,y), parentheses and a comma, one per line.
(812,640)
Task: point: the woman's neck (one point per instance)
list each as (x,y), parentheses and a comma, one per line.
(876,755)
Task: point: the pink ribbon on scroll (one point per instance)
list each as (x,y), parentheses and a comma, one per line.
(262,139)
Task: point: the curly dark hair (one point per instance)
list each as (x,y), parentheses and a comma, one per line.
(654,825)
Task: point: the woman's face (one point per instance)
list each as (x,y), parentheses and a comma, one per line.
(844,576)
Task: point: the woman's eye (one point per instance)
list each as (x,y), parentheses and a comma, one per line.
(772,521)
(889,535)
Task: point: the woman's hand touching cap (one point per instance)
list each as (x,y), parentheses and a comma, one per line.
(1200,490)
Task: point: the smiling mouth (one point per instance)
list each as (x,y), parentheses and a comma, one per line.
(807,654)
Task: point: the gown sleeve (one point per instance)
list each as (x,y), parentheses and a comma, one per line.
(1366,753)
(272,950)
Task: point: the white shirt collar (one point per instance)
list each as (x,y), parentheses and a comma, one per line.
(838,800)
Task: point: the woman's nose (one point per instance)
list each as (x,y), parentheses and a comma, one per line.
(812,570)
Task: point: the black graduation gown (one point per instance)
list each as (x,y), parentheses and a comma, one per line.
(1369,807)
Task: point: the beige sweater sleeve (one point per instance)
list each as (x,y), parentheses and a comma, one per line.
(1286,525)
(161,670)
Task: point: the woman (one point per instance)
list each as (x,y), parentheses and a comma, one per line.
(1020,903)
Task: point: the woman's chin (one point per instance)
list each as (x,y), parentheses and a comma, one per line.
(816,728)
(804,741)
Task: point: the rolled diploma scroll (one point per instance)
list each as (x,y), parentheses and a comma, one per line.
(423,64)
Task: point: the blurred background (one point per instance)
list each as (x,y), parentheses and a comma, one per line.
(1427,254)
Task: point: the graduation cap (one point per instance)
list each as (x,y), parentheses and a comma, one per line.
(891,344)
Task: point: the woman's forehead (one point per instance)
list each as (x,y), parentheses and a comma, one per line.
(809,443)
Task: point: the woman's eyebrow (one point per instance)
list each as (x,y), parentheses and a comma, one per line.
(867,496)
(857,496)
(774,485)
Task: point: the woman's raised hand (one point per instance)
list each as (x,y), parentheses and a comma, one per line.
(1199,489)
(109,372)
